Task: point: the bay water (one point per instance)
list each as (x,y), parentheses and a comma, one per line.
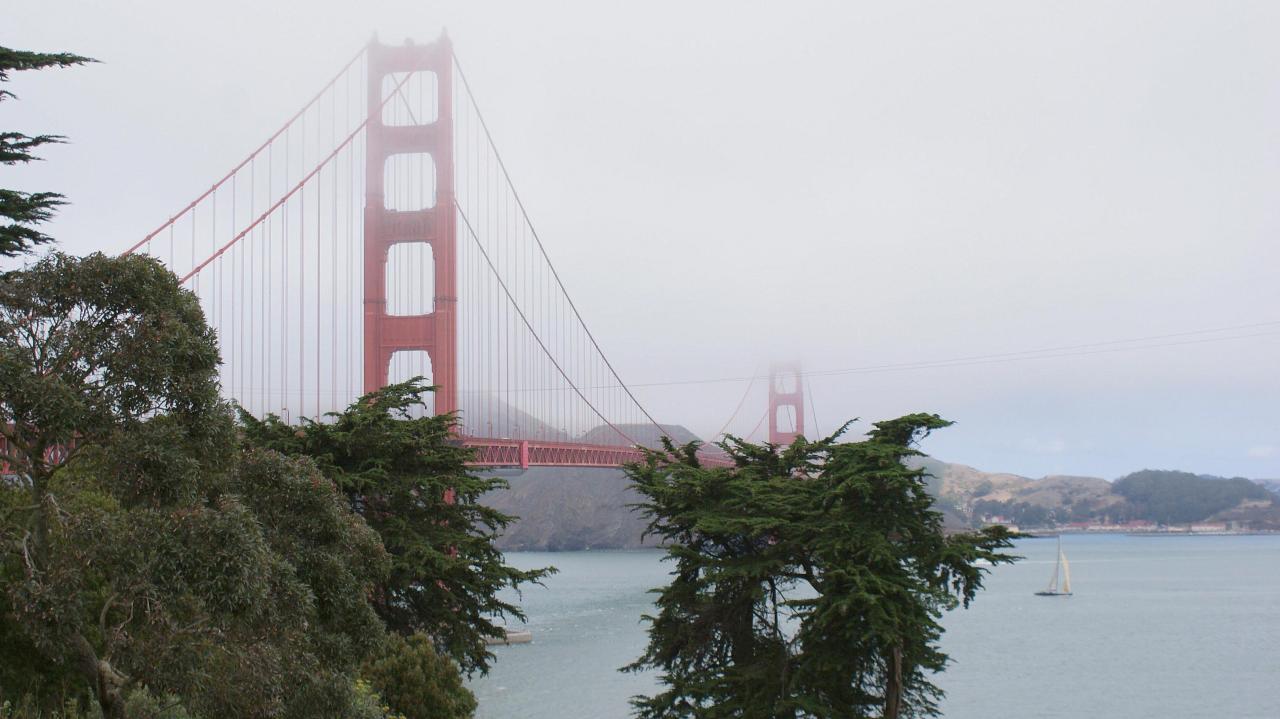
(1158,627)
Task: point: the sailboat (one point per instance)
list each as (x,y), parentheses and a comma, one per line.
(1065,569)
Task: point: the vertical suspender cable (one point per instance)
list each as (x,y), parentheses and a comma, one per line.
(284,286)
(542,248)
(523,318)
(302,279)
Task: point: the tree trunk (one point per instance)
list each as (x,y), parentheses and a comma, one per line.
(40,521)
(893,683)
(107,683)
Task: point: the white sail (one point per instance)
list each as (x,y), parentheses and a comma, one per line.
(1053,583)
(1059,566)
(1066,572)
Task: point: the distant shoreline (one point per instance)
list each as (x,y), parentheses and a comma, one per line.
(1051,533)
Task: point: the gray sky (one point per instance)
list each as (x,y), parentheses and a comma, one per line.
(847,184)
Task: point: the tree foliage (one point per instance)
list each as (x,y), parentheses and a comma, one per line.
(1181,497)
(21,212)
(407,476)
(1026,514)
(809,580)
(93,348)
(416,682)
(138,546)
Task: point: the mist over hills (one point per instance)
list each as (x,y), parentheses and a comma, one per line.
(486,415)
(645,435)
(569,508)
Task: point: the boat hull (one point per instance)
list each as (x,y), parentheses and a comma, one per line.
(510,636)
(1053,594)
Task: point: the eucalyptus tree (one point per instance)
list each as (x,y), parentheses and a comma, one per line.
(139,547)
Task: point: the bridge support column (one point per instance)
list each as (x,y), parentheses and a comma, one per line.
(786,392)
(435,333)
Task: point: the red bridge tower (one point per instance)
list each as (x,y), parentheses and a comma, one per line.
(436,333)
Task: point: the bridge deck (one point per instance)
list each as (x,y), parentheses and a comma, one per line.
(524,453)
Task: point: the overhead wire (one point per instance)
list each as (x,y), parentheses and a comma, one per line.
(1046,353)
(520,312)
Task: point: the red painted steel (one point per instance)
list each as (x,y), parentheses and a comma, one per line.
(532,453)
(781,397)
(57,454)
(288,124)
(525,453)
(435,333)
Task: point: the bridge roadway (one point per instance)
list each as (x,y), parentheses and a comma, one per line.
(520,453)
(525,453)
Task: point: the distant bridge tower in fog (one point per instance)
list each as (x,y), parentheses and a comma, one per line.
(786,403)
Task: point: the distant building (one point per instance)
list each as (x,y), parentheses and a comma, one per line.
(1208,527)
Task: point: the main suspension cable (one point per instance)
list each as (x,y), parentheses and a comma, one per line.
(542,249)
(523,318)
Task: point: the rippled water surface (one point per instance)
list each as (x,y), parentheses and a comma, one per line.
(1159,627)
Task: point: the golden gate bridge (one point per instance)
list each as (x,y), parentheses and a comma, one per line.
(378,236)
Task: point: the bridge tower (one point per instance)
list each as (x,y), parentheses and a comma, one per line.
(786,394)
(436,332)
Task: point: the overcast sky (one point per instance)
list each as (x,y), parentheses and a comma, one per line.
(845,184)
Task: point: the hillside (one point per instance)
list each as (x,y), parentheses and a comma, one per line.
(566,508)
(1181,497)
(562,509)
(1158,496)
(569,509)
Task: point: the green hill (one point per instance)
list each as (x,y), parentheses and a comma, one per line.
(1164,497)
(1170,497)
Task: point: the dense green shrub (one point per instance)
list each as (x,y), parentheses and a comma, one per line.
(141,704)
(28,708)
(417,682)
(366,703)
